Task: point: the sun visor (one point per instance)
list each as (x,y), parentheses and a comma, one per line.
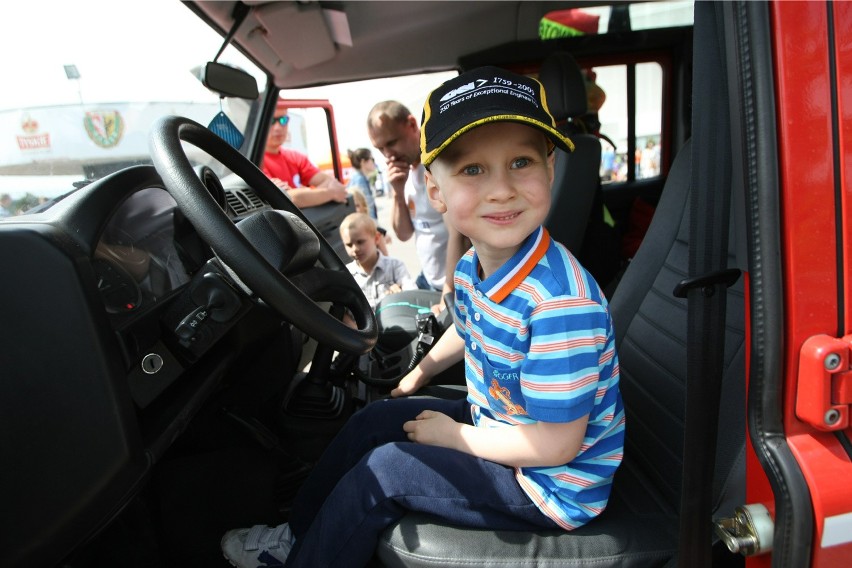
(297,33)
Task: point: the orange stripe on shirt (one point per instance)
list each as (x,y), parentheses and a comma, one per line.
(524,270)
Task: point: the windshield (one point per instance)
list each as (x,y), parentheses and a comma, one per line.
(82,88)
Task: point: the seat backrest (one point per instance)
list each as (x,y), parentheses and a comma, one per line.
(651,334)
(640,524)
(577,175)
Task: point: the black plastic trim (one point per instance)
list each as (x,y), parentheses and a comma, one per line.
(793,509)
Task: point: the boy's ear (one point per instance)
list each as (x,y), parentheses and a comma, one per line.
(551,167)
(434,193)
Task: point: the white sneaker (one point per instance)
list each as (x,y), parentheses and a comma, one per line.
(258,547)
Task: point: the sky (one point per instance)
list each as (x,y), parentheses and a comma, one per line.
(171,41)
(353,101)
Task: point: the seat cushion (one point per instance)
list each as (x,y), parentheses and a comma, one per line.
(635,531)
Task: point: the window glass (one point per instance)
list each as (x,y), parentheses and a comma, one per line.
(650,15)
(308,133)
(80,106)
(596,19)
(616,157)
(649,106)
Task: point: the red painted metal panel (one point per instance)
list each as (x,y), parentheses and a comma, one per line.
(843,53)
(809,206)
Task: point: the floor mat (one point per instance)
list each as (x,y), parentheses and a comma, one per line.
(202,496)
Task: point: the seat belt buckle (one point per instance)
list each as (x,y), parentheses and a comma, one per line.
(707,282)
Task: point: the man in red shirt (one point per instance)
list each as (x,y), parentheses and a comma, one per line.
(293,172)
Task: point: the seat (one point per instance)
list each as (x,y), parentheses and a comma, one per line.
(639,527)
(576,217)
(576,175)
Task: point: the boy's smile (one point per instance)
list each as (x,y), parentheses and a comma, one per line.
(494,185)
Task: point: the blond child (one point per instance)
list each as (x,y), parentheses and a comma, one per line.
(376,273)
(361,206)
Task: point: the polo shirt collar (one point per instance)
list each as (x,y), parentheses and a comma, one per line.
(506,278)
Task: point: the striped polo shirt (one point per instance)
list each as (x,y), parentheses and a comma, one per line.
(539,346)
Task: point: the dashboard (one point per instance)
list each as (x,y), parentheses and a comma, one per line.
(119,326)
(148,249)
(137,258)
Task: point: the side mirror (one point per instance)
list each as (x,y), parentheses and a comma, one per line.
(229,81)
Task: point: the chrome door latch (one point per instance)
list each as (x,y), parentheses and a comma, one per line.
(749,532)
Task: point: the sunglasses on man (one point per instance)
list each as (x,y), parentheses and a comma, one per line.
(282,120)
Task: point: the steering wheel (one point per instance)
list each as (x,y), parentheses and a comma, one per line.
(275,254)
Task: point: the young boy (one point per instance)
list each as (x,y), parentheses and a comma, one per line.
(362,207)
(377,275)
(537,441)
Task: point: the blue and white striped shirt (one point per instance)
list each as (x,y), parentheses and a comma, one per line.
(539,346)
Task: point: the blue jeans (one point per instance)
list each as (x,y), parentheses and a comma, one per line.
(371,475)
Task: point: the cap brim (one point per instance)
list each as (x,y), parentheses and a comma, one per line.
(461,127)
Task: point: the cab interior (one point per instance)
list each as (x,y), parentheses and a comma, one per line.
(132,460)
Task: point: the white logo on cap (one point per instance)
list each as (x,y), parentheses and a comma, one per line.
(463,89)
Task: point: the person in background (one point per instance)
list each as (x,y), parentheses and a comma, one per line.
(649,162)
(394,132)
(361,207)
(364,164)
(293,172)
(5,205)
(377,274)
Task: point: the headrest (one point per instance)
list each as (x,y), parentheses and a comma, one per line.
(565,86)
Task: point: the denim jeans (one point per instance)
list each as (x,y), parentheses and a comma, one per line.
(371,475)
(423,284)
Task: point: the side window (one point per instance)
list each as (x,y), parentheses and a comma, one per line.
(308,133)
(631,118)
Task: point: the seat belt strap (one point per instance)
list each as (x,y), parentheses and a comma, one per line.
(706,287)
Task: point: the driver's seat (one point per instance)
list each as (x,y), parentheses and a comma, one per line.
(639,527)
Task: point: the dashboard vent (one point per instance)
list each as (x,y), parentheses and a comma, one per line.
(244,200)
(255,201)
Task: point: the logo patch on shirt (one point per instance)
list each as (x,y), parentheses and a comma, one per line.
(505,375)
(504,395)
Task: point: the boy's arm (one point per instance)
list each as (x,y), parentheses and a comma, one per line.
(444,354)
(457,245)
(541,444)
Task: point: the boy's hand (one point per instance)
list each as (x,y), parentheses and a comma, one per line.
(410,383)
(433,428)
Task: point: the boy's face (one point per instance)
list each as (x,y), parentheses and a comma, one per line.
(360,243)
(494,185)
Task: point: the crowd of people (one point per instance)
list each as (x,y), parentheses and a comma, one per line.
(10,207)
(394,132)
